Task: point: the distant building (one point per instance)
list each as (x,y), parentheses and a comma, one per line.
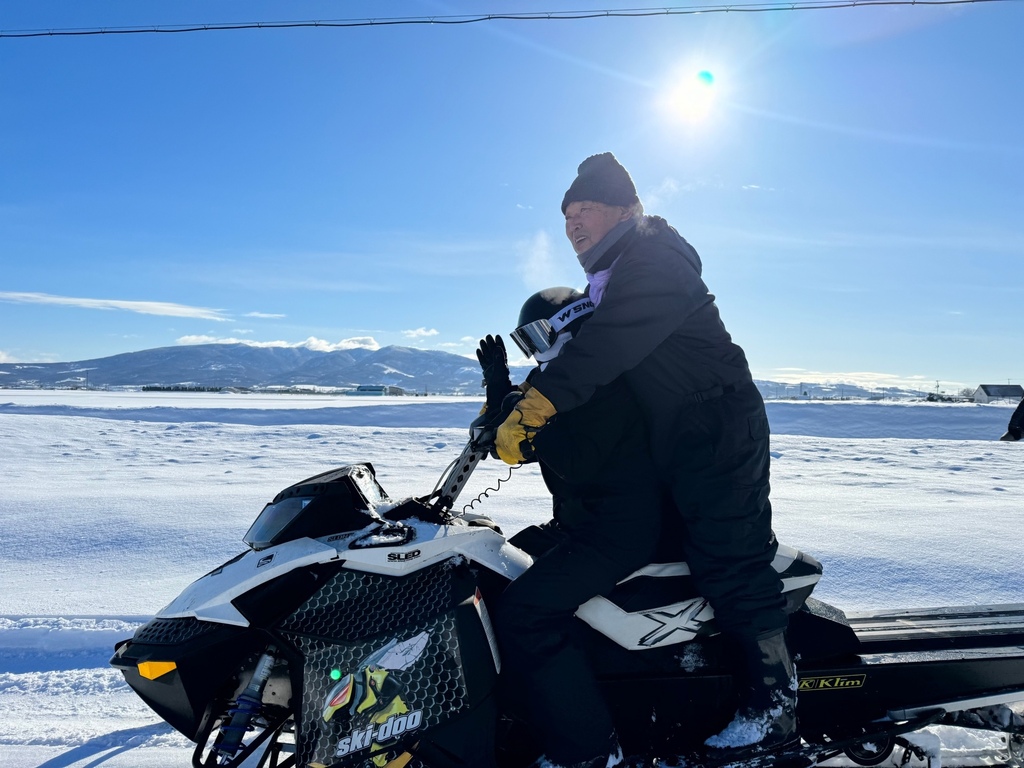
(998,393)
(376,389)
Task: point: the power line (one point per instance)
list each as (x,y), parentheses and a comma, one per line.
(797,5)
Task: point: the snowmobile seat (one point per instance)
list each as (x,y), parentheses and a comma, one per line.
(664,594)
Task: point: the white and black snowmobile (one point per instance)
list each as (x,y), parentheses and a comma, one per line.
(353,631)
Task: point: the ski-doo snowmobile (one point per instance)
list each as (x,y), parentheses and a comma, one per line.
(354,631)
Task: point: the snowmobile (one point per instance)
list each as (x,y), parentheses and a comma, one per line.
(353,631)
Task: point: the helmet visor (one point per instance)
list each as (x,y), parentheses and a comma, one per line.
(536,337)
(540,335)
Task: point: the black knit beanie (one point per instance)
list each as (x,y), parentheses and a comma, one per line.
(601,179)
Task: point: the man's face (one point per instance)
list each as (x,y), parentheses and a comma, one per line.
(586,222)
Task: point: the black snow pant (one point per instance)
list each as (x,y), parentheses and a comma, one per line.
(546,678)
(718,474)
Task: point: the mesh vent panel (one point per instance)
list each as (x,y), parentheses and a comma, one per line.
(170,631)
(354,606)
(398,638)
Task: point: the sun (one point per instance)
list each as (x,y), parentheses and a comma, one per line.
(692,96)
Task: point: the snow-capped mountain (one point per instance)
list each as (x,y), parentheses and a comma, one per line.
(247,366)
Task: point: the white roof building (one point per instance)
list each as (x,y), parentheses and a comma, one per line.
(997,393)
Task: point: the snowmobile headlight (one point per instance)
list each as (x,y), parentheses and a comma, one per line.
(151,670)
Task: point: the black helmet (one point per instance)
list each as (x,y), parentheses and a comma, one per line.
(548,319)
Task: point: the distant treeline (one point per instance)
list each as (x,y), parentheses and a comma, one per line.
(183,388)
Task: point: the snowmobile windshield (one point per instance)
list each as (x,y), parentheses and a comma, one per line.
(368,486)
(273,520)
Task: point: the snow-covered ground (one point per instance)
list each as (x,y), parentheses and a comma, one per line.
(113,502)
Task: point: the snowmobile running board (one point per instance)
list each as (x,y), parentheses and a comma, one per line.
(940,628)
(960,638)
(954,666)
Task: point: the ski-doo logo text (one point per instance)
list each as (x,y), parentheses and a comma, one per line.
(576,309)
(839,682)
(391,728)
(400,556)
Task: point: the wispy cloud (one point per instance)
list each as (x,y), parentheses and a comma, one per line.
(5,358)
(163,308)
(313,343)
(355,342)
(657,197)
(420,333)
(265,315)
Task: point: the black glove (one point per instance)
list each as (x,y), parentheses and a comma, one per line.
(494,364)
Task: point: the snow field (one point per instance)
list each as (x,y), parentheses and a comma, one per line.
(111,505)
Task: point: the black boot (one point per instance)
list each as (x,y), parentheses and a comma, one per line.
(1012,435)
(767,719)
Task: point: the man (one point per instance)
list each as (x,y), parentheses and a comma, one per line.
(656,324)
(1013,429)
(607,512)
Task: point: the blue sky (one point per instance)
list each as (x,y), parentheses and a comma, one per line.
(853,182)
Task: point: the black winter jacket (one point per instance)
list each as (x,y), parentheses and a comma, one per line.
(656,323)
(596,455)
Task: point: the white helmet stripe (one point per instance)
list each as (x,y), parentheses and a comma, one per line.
(566,315)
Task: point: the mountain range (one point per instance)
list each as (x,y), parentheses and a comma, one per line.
(244,366)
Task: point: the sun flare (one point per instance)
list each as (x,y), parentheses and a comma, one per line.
(691,98)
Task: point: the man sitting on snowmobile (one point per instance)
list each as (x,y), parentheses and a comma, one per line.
(607,522)
(656,325)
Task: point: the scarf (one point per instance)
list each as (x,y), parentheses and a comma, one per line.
(590,257)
